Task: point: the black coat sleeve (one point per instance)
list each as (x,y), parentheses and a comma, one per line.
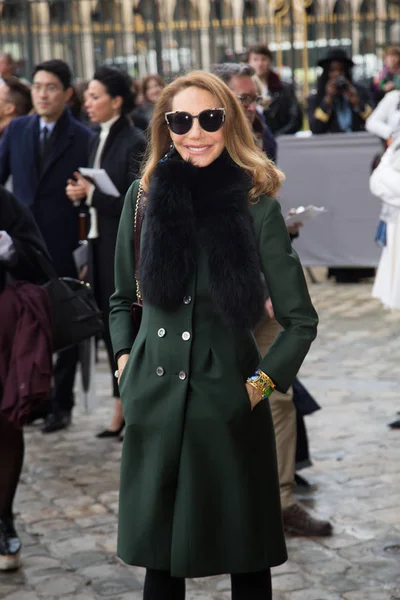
(270,144)
(20,225)
(319,115)
(5,156)
(111,206)
(360,116)
(295,112)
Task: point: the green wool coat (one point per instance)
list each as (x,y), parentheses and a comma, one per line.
(199,488)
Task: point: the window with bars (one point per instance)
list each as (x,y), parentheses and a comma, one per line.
(104,12)
(59,11)
(13,11)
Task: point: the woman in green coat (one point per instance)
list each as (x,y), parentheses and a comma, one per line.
(199,486)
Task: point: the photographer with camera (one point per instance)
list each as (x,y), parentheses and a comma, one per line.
(339,106)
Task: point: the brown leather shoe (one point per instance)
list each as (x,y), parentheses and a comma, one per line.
(297,521)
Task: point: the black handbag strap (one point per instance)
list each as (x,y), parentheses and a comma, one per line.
(45,265)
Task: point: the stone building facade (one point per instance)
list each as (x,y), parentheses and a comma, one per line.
(171,35)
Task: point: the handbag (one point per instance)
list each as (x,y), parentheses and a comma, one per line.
(137,307)
(75,315)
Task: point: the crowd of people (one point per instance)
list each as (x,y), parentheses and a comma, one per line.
(194,349)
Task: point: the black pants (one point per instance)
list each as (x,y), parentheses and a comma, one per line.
(303,459)
(159,585)
(350,274)
(64,378)
(11,460)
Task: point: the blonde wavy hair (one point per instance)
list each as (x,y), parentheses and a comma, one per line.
(239,139)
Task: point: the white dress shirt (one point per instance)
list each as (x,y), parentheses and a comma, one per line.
(264,90)
(50,127)
(105,130)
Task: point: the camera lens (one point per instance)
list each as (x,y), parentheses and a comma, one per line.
(341,84)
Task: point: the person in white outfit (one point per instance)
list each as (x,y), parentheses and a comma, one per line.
(385,183)
(386,117)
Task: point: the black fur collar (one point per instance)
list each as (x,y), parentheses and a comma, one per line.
(191,208)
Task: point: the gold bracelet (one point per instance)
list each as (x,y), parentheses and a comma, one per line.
(262,382)
(266,379)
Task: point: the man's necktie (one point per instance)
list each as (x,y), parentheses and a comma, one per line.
(44,147)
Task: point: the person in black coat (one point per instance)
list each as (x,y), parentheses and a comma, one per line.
(339,106)
(239,77)
(152,86)
(282,111)
(20,242)
(119,149)
(41,152)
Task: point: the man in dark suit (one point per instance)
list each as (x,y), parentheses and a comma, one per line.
(42,152)
(239,77)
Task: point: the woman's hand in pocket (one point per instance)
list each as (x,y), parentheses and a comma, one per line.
(123,359)
(254,395)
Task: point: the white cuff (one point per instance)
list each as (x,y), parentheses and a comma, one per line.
(7,248)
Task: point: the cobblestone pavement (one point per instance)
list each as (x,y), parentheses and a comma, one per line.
(67,503)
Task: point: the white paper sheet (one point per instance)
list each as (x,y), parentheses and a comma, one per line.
(101,180)
(303,213)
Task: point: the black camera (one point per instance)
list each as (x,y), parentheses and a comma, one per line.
(342,84)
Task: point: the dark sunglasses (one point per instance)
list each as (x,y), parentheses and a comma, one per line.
(247,99)
(181,122)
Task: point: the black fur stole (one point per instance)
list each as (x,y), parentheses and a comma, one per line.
(191,209)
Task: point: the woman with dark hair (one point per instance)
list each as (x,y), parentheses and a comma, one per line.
(339,106)
(152,86)
(118,148)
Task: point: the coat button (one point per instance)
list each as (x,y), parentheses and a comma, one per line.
(161,332)
(187,299)
(185,336)
(160,371)
(182,375)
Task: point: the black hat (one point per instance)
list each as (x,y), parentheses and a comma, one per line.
(338,55)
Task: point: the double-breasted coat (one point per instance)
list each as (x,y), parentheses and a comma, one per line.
(199,486)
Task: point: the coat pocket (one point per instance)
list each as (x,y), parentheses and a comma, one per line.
(130,385)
